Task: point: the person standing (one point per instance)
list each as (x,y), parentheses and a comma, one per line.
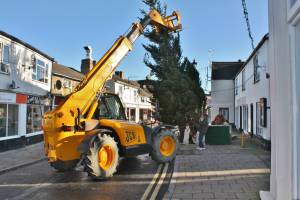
(202,128)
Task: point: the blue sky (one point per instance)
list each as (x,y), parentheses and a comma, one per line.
(61,28)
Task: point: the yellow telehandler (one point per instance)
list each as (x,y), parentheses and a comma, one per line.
(90,126)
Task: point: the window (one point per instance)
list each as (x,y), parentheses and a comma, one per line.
(292,2)
(40,71)
(4,58)
(132,115)
(135,96)
(243,80)
(8,120)
(236,86)
(145,114)
(143,99)
(225,113)
(261,116)
(34,118)
(263,112)
(245,118)
(236,116)
(110,107)
(256,69)
(258,127)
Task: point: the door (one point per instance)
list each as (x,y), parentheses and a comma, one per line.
(225,113)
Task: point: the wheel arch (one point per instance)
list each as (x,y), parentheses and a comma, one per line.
(83,147)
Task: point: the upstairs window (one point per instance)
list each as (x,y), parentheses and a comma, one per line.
(236,86)
(256,69)
(135,96)
(4,58)
(40,71)
(243,80)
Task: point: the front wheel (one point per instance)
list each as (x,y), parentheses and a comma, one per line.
(164,147)
(102,159)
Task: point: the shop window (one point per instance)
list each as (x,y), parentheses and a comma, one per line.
(34,118)
(3,120)
(8,120)
(40,71)
(132,114)
(12,120)
(256,69)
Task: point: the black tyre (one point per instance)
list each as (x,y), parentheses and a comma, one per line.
(64,166)
(164,146)
(102,159)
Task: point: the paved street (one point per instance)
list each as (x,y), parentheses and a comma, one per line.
(40,181)
(220,172)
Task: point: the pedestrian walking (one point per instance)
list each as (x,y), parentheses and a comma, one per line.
(202,128)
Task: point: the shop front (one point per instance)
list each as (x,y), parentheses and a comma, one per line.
(21,119)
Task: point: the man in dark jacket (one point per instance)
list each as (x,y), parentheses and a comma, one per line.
(202,128)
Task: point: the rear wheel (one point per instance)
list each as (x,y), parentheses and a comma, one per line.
(164,147)
(102,159)
(63,166)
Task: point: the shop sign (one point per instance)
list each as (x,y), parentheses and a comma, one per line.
(33,99)
(7,97)
(37,100)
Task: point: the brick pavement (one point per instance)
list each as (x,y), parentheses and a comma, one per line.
(220,172)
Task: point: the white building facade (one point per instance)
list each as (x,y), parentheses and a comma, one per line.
(284,64)
(222,89)
(136,101)
(25,76)
(252,95)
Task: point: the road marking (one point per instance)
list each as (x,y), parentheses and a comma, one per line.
(159,184)
(152,183)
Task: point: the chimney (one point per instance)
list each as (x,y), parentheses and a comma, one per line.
(88,63)
(120,74)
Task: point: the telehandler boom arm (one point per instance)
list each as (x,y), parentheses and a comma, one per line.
(82,102)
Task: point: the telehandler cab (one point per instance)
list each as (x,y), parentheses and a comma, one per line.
(91,126)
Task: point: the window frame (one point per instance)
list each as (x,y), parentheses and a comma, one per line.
(225,109)
(2,62)
(45,70)
(6,122)
(256,72)
(243,80)
(236,91)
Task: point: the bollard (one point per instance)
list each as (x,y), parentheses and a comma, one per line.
(242,139)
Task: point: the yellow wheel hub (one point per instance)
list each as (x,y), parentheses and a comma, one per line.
(167,146)
(106,157)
